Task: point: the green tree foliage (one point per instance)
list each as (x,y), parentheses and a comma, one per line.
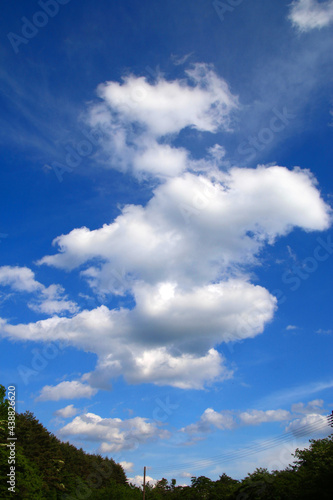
(48,469)
(256,486)
(224,487)
(28,481)
(203,486)
(314,469)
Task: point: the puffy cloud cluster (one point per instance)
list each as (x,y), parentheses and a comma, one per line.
(138,119)
(47,300)
(20,279)
(113,434)
(307,15)
(212,419)
(184,257)
(126,350)
(312,422)
(309,424)
(167,338)
(193,229)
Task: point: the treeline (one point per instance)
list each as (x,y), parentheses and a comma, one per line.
(310,477)
(48,469)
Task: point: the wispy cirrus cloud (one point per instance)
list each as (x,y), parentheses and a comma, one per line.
(292,327)
(291,394)
(321,331)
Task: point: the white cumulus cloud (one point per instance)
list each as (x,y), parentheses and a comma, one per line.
(167,338)
(136,115)
(202,101)
(127,466)
(65,390)
(20,279)
(310,424)
(138,480)
(193,229)
(185,258)
(307,15)
(181,273)
(52,300)
(210,419)
(67,412)
(113,434)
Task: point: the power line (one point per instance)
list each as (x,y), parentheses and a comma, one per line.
(203,463)
(249,450)
(330,419)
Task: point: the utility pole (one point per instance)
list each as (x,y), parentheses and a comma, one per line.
(144,483)
(330,419)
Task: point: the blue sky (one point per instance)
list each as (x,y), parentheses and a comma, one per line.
(166,244)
